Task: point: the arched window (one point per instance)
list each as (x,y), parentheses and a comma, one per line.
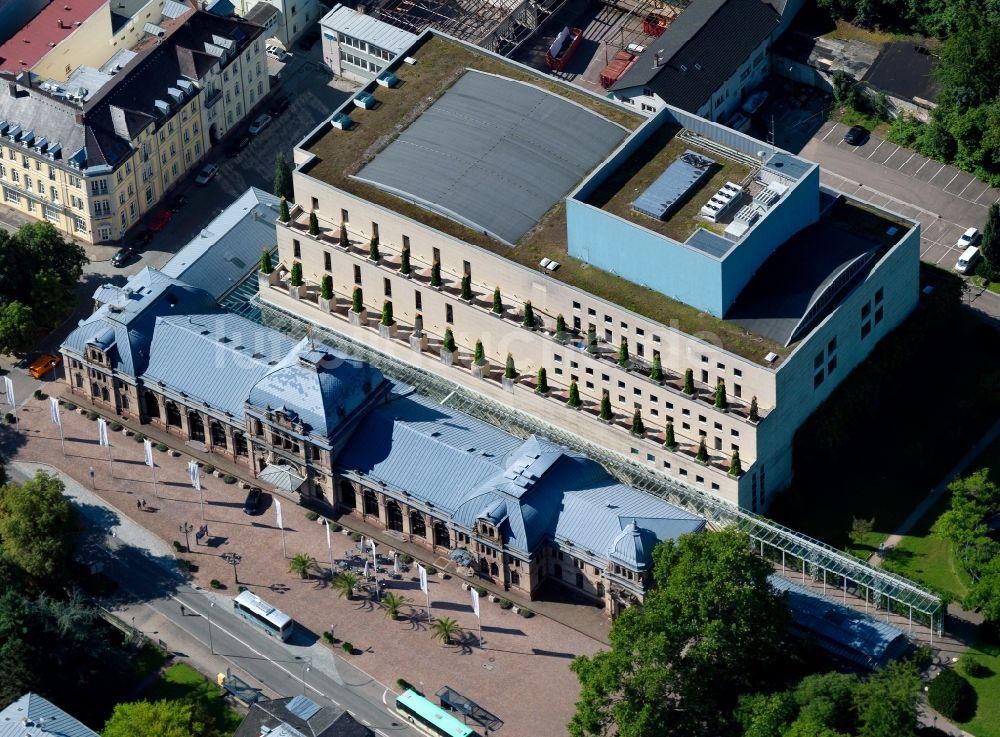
(417,525)
(196,427)
(218,435)
(441,536)
(371,502)
(152,405)
(173,415)
(393,516)
(240,444)
(515,578)
(347,496)
(558,571)
(579,580)
(104,394)
(494,569)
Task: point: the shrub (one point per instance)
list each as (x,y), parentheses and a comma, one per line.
(209,468)
(116,427)
(480,590)
(357,300)
(574,396)
(497,302)
(296,276)
(138,437)
(404,261)
(177,546)
(240,589)
(529,315)
(403,685)
(638,426)
(526,613)
(542,385)
(754,412)
(9,418)
(91,415)
(656,372)
(38,394)
(327,637)
(326,287)
(431,570)
(373,252)
(335,527)
(510,371)
(506,604)
(312,516)
(356,536)
(606,414)
(347,648)
(436,274)
(560,324)
(161,447)
(951,695)
(448,344)
(229,479)
(976,668)
(466,288)
(313,223)
(702,456)
(215,583)
(668,441)
(70,406)
(265,255)
(387,318)
(407,558)
(688,381)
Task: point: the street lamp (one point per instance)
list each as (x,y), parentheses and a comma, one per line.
(233,559)
(211,647)
(306,667)
(186,528)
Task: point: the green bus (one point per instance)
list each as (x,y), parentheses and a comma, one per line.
(430,719)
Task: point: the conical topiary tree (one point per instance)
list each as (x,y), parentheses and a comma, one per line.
(448,343)
(638,426)
(357,300)
(542,385)
(466,288)
(282,178)
(560,325)
(296,274)
(668,441)
(497,302)
(735,467)
(754,412)
(283,214)
(721,401)
(436,274)
(313,223)
(656,372)
(387,318)
(606,414)
(574,396)
(509,371)
(591,338)
(326,287)
(373,252)
(479,355)
(404,261)
(265,262)
(688,381)
(529,315)
(702,455)
(344,241)
(623,352)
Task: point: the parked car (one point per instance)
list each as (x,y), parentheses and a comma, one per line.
(967,260)
(276,52)
(43,364)
(968,238)
(159,221)
(123,256)
(252,503)
(857,135)
(263,120)
(237,145)
(279,105)
(205,175)
(177,203)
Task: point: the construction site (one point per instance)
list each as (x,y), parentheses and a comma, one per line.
(615,33)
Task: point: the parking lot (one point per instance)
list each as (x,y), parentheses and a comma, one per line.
(943,199)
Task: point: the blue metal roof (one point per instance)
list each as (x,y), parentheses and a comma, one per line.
(229,247)
(530,489)
(841,630)
(214,358)
(43,719)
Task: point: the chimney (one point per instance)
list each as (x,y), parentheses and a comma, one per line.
(79,118)
(656,60)
(12,89)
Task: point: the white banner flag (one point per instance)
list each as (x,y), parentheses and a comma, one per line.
(147,447)
(54,411)
(195,474)
(475,601)
(277,508)
(328,543)
(10,391)
(423,578)
(102,432)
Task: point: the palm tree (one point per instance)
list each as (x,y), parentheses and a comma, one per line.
(445,629)
(393,603)
(344,584)
(302,564)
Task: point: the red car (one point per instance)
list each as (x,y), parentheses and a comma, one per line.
(159,220)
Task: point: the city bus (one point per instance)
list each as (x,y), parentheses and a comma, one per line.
(254,609)
(430,719)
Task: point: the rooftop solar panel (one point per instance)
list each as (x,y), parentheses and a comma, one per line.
(494,154)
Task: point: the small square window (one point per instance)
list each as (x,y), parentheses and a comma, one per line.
(734,432)
(879,314)
(607,318)
(682,471)
(699,479)
(818,361)
(715,486)
(831,365)
(666,464)
(621,399)
(704,359)
(831,346)
(654,411)
(605,377)
(592,312)
(656,338)
(879,293)
(576,305)
(653,398)
(720,366)
(668,405)
(818,379)
(558,371)
(590,385)
(650,457)
(866,310)
(557,358)
(637,391)
(718,425)
(574,364)
(621,384)
(634,451)
(702,419)
(737,372)
(685,426)
(865,329)
(589,371)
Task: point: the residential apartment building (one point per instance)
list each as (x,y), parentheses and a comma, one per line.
(93,161)
(294,18)
(720,321)
(357,46)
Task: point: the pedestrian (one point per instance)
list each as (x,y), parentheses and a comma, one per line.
(143,504)
(183,611)
(138,503)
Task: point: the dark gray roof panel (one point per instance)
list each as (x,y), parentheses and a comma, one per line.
(904,69)
(700,50)
(708,242)
(670,188)
(494,154)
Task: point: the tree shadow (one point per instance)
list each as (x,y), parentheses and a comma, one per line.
(10,440)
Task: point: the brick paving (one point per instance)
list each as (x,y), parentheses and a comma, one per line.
(522,675)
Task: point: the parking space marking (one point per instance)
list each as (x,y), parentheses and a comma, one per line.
(925,175)
(832,129)
(876,149)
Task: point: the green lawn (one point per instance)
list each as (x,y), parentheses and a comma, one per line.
(148,660)
(182,681)
(986,722)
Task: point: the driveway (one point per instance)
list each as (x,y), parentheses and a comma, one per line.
(943,199)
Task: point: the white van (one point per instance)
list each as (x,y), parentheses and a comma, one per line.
(967,260)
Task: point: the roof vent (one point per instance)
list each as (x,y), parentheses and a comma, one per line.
(771,357)
(683,68)
(698,67)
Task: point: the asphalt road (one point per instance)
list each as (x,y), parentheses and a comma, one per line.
(208,634)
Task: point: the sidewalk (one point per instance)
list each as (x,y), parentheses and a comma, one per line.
(520,653)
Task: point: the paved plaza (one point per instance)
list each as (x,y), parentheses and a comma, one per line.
(504,677)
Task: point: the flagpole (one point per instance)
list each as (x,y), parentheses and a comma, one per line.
(9,385)
(153,469)
(329,545)
(57,419)
(62,438)
(111,460)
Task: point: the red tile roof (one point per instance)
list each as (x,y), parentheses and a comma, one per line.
(54,23)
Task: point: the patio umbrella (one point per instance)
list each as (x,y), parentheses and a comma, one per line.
(366,569)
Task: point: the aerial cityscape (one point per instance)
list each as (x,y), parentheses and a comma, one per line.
(518,367)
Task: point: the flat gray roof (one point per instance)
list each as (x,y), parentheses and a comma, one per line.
(493,153)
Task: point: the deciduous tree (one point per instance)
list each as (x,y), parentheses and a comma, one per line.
(38,526)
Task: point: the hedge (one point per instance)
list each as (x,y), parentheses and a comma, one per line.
(951,695)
